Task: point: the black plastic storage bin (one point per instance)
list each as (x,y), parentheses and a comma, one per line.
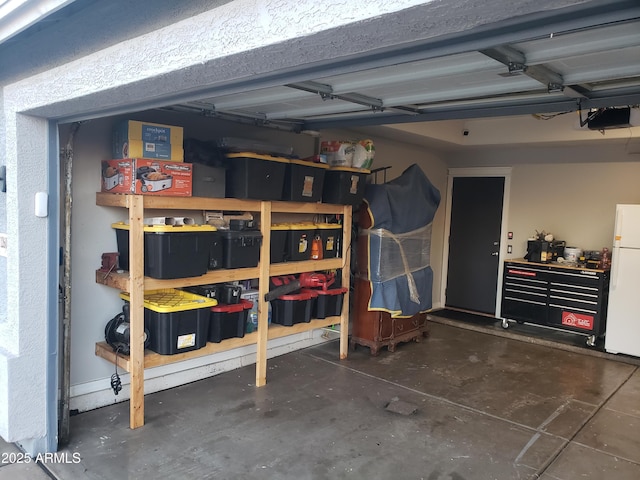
(177,321)
(344,185)
(170,251)
(230,294)
(288,310)
(253,176)
(300,241)
(215,251)
(328,302)
(331,235)
(211,290)
(226,293)
(241,248)
(208,181)
(304,180)
(228,321)
(279,239)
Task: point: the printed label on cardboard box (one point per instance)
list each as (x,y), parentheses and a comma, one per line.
(116,176)
(162,151)
(133,139)
(163,177)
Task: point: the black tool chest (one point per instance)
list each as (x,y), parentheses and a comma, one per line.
(565,297)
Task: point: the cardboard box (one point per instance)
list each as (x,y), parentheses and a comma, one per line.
(161,151)
(116,176)
(146,176)
(152,140)
(162,178)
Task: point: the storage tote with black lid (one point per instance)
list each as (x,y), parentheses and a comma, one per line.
(344,185)
(304,180)
(240,248)
(254,176)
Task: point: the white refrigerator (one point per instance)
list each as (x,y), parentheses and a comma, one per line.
(623,315)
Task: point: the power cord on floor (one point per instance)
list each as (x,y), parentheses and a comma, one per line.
(116,383)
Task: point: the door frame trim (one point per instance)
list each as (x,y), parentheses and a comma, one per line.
(504,172)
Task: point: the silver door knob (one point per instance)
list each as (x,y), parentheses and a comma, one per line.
(495,254)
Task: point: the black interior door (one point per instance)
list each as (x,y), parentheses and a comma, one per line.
(474,243)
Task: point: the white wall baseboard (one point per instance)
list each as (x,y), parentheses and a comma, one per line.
(98,393)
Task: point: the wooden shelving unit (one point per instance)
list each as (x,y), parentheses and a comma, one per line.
(136,283)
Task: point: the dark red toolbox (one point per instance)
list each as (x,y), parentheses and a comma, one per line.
(228,321)
(288,310)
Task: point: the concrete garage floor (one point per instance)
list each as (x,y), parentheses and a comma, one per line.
(461,405)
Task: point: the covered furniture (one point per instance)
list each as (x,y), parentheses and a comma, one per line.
(394,279)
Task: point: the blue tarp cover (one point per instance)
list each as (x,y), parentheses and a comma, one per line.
(399,243)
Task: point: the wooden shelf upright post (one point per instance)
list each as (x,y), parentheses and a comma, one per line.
(136,271)
(263,289)
(346,277)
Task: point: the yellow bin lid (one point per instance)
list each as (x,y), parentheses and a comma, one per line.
(350,169)
(307,163)
(303,226)
(168,228)
(167,300)
(327,226)
(258,156)
(280,226)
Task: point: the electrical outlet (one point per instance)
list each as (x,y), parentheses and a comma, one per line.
(509,248)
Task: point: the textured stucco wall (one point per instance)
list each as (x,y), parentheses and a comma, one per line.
(231,45)
(230,29)
(23,333)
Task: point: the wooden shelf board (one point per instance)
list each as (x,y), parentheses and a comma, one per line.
(305,266)
(206,203)
(113,280)
(152,359)
(121,280)
(299,207)
(277,331)
(178,203)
